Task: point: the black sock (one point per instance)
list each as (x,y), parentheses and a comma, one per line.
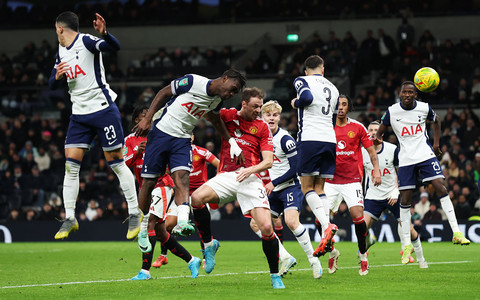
(164,250)
(148,257)
(177,249)
(279,233)
(202,221)
(270,248)
(361,232)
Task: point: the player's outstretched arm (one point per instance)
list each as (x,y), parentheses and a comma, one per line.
(437,129)
(378,138)
(144,126)
(99,24)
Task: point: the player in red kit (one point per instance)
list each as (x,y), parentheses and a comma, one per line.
(161,195)
(241,181)
(346,183)
(198,176)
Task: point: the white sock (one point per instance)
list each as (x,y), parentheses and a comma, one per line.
(405,218)
(183,213)
(146,271)
(400,234)
(191,260)
(144,224)
(208,244)
(259,233)
(127,183)
(317,206)
(333,252)
(303,239)
(363,257)
(417,246)
(282,252)
(71,183)
(447,207)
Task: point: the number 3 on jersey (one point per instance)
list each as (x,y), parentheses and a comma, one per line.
(327,98)
(110,134)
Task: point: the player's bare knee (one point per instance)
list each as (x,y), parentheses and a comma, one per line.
(266,228)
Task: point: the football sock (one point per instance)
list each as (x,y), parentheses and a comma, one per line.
(183,212)
(361,233)
(303,238)
(282,252)
(333,252)
(127,183)
(317,206)
(417,246)
(326,207)
(71,184)
(202,221)
(144,223)
(148,257)
(405,219)
(163,250)
(400,235)
(447,207)
(270,248)
(177,249)
(259,233)
(279,233)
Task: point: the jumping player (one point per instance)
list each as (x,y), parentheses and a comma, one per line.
(79,59)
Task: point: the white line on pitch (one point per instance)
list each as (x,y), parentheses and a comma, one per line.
(223,274)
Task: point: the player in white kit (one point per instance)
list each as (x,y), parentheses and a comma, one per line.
(385,196)
(183,103)
(408,121)
(316,103)
(79,59)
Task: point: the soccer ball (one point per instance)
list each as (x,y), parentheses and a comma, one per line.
(426,80)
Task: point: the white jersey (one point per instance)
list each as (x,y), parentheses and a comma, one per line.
(410,128)
(88,88)
(315,120)
(284,148)
(387,160)
(190,101)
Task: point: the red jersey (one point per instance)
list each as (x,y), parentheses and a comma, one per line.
(134,160)
(252,137)
(198,175)
(349,153)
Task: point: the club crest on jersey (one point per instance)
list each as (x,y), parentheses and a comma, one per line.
(411,130)
(253,130)
(351,134)
(196,158)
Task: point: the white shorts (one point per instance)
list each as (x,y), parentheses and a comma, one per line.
(352,193)
(160,198)
(250,193)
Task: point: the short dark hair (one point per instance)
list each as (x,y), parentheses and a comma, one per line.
(69,20)
(137,111)
(252,92)
(408,83)
(349,100)
(313,62)
(236,75)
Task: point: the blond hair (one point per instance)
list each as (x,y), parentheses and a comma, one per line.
(270,106)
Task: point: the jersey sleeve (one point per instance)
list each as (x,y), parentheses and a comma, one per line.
(386,118)
(227,115)
(94,44)
(182,85)
(304,95)
(52,82)
(365,138)
(395,156)
(266,139)
(431,114)
(128,153)
(288,146)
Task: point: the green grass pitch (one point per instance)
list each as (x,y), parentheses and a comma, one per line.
(101,270)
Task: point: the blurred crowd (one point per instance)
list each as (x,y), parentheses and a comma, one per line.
(134,12)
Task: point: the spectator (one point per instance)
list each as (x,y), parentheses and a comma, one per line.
(423,206)
(433,214)
(462,209)
(91,212)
